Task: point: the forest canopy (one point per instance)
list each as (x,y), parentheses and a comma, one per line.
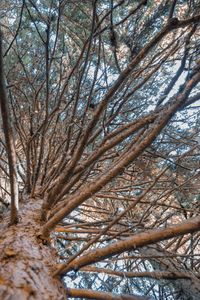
(100,149)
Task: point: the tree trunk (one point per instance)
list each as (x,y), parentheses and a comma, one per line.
(26,264)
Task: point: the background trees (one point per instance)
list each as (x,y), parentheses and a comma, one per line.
(104,102)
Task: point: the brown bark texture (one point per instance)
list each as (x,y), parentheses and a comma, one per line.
(89,294)
(26,264)
(9,141)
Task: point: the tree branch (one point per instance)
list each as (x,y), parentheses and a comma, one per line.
(133,243)
(89,294)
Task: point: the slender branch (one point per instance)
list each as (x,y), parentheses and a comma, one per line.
(148,274)
(89,294)
(17,31)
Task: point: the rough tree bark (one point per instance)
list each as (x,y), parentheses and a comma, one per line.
(26,264)
(9,141)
